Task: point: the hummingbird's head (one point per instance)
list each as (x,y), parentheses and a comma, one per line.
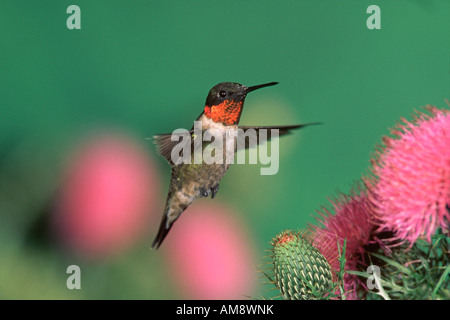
(225,101)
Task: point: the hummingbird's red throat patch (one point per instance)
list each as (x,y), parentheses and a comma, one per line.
(227,112)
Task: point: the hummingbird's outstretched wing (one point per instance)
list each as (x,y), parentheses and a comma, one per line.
(282,130)
(166,142)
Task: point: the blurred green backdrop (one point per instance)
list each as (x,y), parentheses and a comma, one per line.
(145,67)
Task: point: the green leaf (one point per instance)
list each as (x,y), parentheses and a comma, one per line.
(393,263)
(441,281)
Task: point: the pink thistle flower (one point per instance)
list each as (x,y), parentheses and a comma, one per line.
(411,177)
(352,220)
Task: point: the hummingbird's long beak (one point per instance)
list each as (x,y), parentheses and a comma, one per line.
(253,88)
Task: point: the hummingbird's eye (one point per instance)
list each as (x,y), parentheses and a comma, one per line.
(223,93)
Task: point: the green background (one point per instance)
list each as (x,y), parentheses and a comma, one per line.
(146,67)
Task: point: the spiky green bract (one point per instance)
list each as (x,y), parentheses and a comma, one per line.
(421,272)
(301,272)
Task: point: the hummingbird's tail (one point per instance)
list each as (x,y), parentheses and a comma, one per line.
(175,205)
(164,229)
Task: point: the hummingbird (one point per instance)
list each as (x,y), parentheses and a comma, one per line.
(222,112)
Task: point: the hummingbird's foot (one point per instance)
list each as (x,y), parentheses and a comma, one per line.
(214,191)
(204,192)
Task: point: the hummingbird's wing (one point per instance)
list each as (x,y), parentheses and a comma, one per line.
(282,130)
(166,142)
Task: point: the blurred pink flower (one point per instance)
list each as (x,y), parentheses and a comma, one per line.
(352,220)
(210,255)
(108,196)
(411,183)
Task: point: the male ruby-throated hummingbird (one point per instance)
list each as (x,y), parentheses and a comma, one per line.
(190,181)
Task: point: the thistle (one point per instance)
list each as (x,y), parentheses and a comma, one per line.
(406,199)
(348,220)
(300,271)
(411,177)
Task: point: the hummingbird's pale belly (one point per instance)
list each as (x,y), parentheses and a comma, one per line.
(201,177)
